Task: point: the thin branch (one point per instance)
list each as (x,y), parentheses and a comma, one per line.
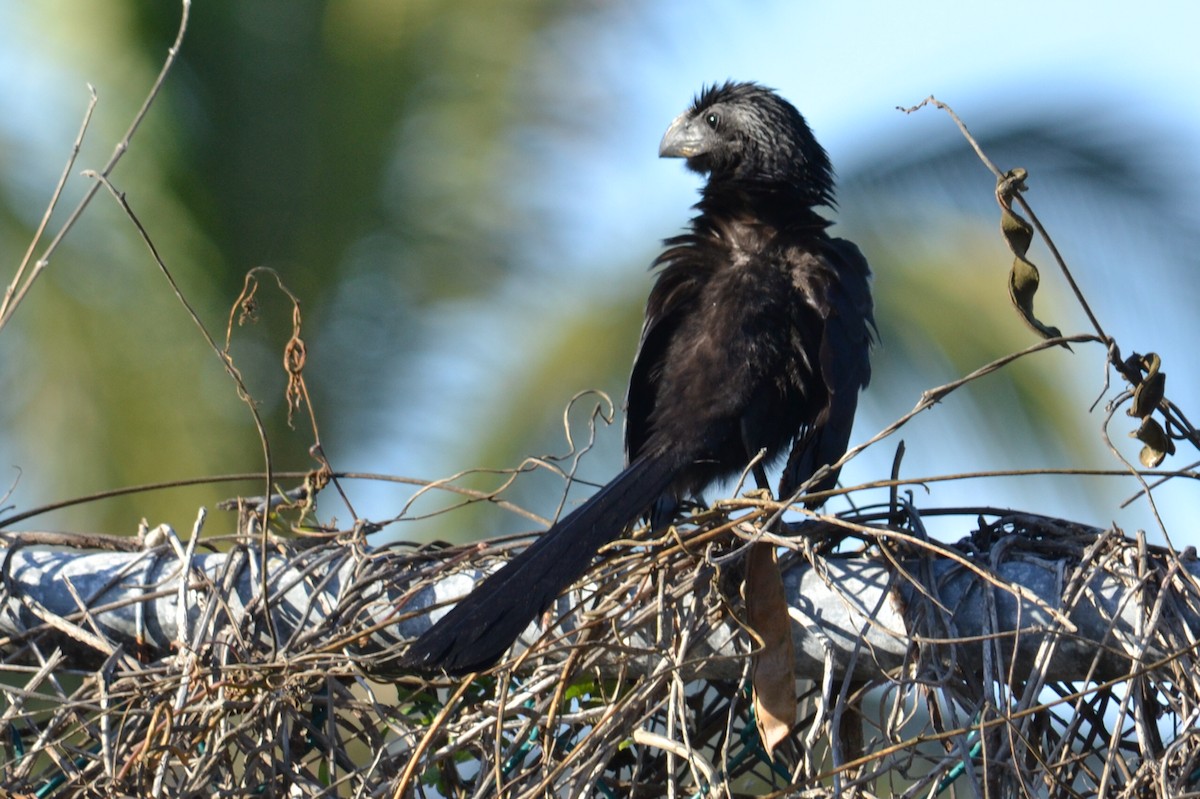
(121,148)
(14,295)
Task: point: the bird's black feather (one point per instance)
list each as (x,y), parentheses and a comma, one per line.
(756,338)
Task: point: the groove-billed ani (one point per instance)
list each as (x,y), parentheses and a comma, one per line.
(756,338)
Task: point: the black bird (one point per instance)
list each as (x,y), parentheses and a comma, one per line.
(756,338)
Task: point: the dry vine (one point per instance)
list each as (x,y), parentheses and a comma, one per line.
(640,693)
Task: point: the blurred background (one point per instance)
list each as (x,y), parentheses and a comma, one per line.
(465,195)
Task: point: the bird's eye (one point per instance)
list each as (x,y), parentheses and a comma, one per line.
(713,120)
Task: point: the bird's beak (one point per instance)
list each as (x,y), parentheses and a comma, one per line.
(683,139)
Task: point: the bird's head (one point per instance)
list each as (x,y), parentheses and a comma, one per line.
(747,134)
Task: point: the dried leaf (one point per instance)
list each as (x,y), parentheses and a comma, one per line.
(1017,232)
(773,665)
(1149,392)
(1024,278)
(1158,445)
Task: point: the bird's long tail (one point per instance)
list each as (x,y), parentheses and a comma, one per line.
(478,630)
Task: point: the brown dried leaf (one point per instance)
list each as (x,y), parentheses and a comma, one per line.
(773,665)
(1149,393)
(1024,278)
(1158,445)
(1017,232)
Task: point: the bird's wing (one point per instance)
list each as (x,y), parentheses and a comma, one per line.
(845,369)
(674,292)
